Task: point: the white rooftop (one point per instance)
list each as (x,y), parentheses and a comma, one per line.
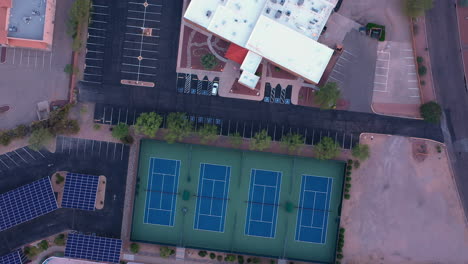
(285,47)
(282,31)
(249,79)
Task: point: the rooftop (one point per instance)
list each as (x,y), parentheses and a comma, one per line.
(27,19)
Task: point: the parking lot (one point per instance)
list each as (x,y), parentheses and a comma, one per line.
(190,84)
(105,114)
(95,48)
(140,48)
(79,147)
(277,95)
(30,76)
(20,157)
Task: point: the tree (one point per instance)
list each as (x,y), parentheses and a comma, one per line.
(39,138)
(361,152)
(59,240)
(326,149)
(209,61)
(178,127)
(260,141)
(120,131)
(236,139)
(292,141)
(415,8)
(78,15)
(148,124)
(134,248)
(43,245)
(328,95)
(431,112)
(208,133)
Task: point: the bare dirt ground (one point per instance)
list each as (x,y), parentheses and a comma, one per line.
(404,208)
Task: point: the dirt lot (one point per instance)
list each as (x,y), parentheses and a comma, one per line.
(404,208)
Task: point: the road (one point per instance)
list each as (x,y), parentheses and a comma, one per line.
(444,47)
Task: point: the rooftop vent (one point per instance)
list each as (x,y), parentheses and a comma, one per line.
(208,13)
(278,14)
(300,2)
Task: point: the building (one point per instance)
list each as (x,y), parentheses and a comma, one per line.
(27,23)
(284,32)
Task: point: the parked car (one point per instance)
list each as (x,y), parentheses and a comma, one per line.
(214,91)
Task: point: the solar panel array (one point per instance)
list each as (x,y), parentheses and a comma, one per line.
(80,191)
(93,248)
(15,257)
(26,203)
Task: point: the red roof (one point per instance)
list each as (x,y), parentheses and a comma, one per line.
(236,53)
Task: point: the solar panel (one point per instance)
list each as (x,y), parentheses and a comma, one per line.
(93,248)
(15,257)
(80,191)
(26,203)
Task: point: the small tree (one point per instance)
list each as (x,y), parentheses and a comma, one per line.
(209,61)
(361,152)
(236,139)
(43,245)
(326,149)
(260,141)
(31,252)
(39,138)
(208,133)
(416,8)
(134,248)
(178,127)
(292,141)
(148,124)
(431,112)
(120,131)
(422,70)
(59,240)
(328,95)
(69,69)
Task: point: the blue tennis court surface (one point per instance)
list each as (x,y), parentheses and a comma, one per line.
(213,189)
(262,211)
(314,204)
(161,194)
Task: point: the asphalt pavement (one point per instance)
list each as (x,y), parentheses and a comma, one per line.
(452,94)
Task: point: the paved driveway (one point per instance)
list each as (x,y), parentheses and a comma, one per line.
(30,76)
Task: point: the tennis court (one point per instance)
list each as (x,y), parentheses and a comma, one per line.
(213,189)
(237,201)
(314,202)
(161,194)
(262,210)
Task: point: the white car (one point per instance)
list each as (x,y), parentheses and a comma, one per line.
(214,91)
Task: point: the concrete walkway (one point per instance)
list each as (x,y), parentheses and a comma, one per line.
(48,252)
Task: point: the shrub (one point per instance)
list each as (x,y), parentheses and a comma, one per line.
(148,124)
(69,69)
(240,259)
(357,164)
(260,141)
(209,61)
(202,253)
(219,258)
(420,59)
(5,138)
(422,70)
(120,131)
(342,230)
(212,255)
(230,258)
(59,240)
(128,139)
(292,141)
(347,196)
(350,162)
(208,133)
(31,252)
(134,248)
(439,149)
(97,126)
(59,178)
(339,256)
(349,167)
(326,149)
(348,185)
(43,245)
(39,138)
(346,190)
(348,172)
(361,151)
(236,139)
(431,112)
(328,95)
(71,127)
(178,127)
(21,131)
(166,252)
(348,179)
